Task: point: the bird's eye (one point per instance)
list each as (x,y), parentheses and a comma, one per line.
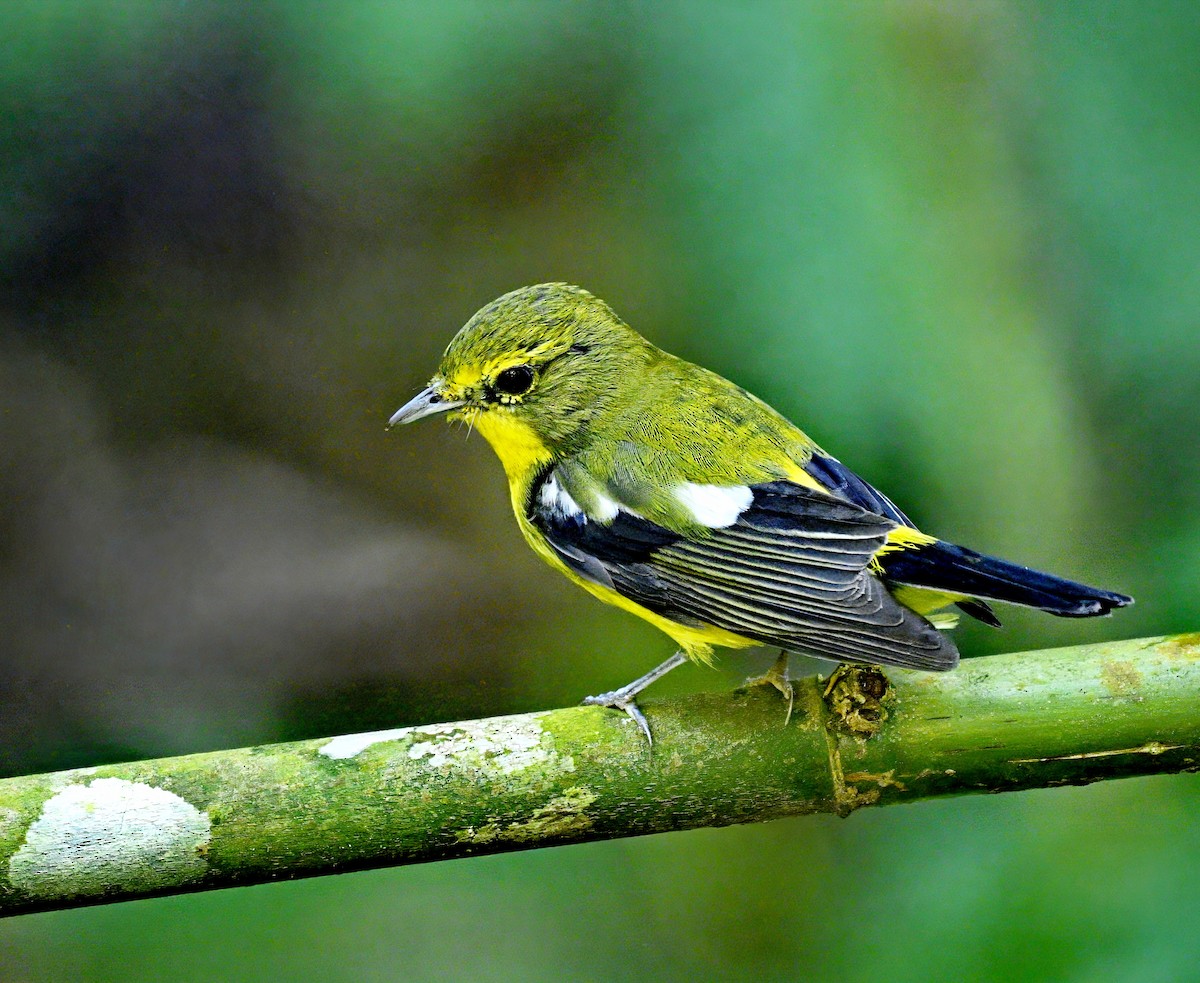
(515,381)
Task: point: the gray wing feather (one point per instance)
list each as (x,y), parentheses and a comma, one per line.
(793,571)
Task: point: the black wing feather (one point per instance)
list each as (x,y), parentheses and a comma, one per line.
(844,483)
(793,571)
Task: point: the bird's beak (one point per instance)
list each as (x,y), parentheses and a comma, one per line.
(425,403)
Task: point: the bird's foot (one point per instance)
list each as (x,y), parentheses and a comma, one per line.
(777,676)
(625,699)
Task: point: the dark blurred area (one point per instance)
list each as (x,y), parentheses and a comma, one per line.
(955,241)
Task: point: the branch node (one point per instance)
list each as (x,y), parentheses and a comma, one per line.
(855,697)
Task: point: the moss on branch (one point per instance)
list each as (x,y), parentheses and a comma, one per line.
(227,818)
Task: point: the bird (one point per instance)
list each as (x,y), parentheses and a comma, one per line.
(670,492)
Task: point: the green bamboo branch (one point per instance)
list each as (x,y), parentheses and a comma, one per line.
(227,818)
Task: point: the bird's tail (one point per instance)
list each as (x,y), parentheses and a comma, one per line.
(957,570)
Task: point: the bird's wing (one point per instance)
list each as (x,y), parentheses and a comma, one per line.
(776,562)
(844,483)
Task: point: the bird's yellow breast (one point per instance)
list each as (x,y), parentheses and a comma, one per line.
(521,451)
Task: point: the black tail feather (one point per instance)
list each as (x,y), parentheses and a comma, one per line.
(958,570)
(980,611)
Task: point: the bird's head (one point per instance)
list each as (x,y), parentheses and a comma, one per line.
(533,368)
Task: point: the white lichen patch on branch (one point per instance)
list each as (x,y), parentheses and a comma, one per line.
(352,745)
(496,746)
(111,836)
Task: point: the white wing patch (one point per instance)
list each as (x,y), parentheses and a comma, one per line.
(556,499)
(606,508)
(716,506)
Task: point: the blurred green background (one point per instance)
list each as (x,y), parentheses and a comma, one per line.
(956,241)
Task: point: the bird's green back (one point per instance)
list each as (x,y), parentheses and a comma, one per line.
(679,423)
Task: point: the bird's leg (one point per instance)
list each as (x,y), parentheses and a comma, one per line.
(777,676)
(623,698)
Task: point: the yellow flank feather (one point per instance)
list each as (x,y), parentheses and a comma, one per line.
(696,642)
(795,472)
(905,538)
(902,538)
(924,601)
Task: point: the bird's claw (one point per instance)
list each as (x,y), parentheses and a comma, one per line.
(789,692)
(620,700)
(777,676)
